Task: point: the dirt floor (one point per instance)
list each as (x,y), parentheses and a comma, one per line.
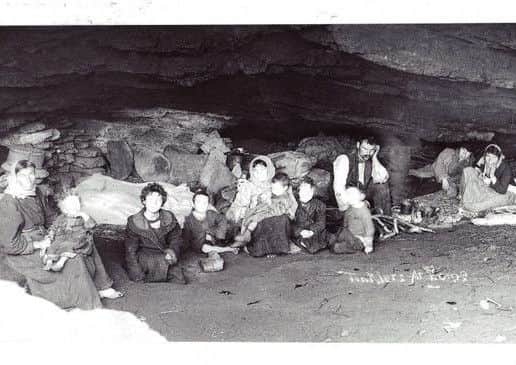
(413,288)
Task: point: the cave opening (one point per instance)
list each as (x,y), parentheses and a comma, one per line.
(156,95)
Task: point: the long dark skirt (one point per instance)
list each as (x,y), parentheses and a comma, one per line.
(73,287)
(271,236)
(153,265)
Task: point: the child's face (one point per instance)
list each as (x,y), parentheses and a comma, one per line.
(306,192)
(201,203)
(278,188)
(71,206)
(153,202)
(354,196)
(464,153)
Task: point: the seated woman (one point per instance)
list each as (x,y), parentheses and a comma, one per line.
(154,240)
(488,184)
(25,214)
(267,226)
(253,191)
(446,169)
(205,230)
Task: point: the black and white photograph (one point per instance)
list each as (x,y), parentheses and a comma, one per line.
(325,182)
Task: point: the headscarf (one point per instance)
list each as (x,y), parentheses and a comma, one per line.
(271,170)
(500,159)
(13,187)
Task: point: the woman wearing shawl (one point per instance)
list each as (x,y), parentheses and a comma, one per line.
(489,184)
(154,242)
(23,228)
(271,235)
(253,191)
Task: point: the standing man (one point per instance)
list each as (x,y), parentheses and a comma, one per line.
(362,169)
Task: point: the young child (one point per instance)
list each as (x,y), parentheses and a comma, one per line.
(281,202)
(309,227)
(203,228)
(357,232)
(70,234)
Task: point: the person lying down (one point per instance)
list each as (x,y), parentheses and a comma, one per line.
(70,234)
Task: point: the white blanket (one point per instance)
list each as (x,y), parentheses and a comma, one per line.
(111,201)
(497,219)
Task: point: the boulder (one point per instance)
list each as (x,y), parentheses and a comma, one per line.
(151,165)
(214,144)
(43,145)
(185,168)
(215,175)
(397,156)
(295,164)
(89,163)
(322,180)
(324,149)
(3,181)
(31,128)
(121,159)
(31,138)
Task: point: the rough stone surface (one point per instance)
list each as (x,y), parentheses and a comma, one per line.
(151,166)
(322,180)
(324,149)
(294,164)
(121,159)
(185,167)
(435,82)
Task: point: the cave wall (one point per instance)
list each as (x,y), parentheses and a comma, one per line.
(266,87)
(158,86)
(418,81)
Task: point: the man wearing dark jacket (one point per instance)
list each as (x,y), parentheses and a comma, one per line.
(362,169)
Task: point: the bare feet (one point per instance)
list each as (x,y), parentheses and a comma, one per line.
(110,293)
(238,244)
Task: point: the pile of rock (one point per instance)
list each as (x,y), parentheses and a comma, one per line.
(75,157)
(33,142)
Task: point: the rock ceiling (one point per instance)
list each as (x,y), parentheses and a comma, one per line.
(425,81)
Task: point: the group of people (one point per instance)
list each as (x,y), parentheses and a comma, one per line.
(57,256)
(489,183)
(265,217)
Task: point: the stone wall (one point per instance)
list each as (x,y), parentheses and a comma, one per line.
(81,147)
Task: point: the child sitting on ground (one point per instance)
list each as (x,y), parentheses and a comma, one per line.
(357,232)
(309,227)
(205,229)
(70,234)
(281,202)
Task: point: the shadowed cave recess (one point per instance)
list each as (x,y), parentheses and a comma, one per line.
(416,87)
